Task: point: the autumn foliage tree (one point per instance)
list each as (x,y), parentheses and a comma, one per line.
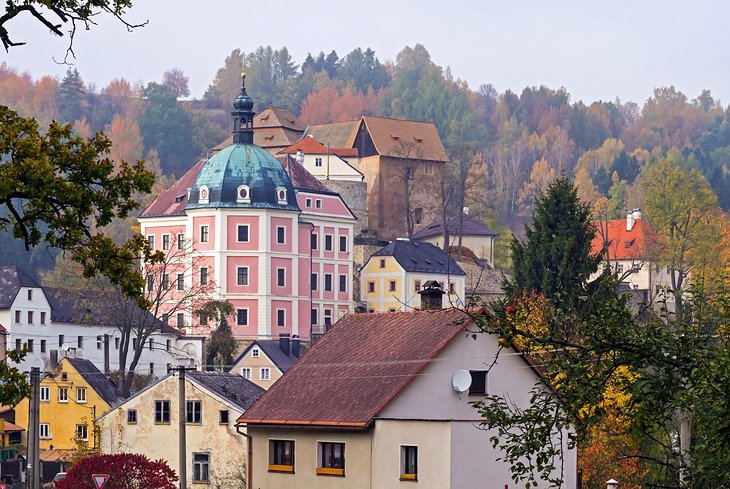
(125,470)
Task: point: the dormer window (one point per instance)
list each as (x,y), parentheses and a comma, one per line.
(281,196)
(243,194)
(203,195)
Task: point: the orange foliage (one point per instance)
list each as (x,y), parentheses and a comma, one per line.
(328,105)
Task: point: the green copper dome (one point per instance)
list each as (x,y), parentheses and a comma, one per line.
(243,176)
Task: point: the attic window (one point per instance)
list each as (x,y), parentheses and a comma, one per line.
(418,140)
(395,137)
(627,244)
(203,195)
(180,198)
(243,194)
(269,137)
(281,196)
(264,118)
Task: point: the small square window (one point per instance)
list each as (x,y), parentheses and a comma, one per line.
(280,235)
(478,382)
(318,162)
(223,416)
(308,203)
(318,203)
(371,286)
(255,352)
(64,376)
(382,263)
(281,456)
(331,458)
(131,416)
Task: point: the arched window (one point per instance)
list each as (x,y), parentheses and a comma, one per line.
(281,195)
(203,195)
(243,194)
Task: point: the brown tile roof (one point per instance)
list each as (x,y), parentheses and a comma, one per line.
(623,244)
(337,134)
(309,145)
(357,369)
(266,137)
(278,117)
(389,134)
(300,177)
(174,200)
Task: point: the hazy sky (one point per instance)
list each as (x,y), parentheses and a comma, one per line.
(595,49)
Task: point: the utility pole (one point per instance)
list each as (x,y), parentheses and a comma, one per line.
(182,452)
(34,472)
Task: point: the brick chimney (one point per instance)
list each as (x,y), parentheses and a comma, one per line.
(296,346)
(431,296)
(284,343)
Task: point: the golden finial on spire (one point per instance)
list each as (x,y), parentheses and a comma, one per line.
(243,74)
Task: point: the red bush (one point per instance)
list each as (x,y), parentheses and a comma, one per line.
(125,470)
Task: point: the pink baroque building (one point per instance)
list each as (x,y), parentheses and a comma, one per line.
(258,231)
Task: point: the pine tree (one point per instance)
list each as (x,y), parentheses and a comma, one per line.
(71,97)
(222,345)
(556,259)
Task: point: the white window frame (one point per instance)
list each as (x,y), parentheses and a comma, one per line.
(248,233)
(281,283)
(255,352)
(81,395)
(331,240)
(281,196)
(63,398)
(203,283)
(44,431)
(83,433)
(318,203)
(203,195)
(129,412)
(238,282)
(45,394)
(340,288)
(343,239)
(180,241)
(247,198)
(281,318)
(151,241)
(283,235)
(165,242)
(204,233)
(247,321)
(246,373)
(265,373)
(318,162)
(203,476)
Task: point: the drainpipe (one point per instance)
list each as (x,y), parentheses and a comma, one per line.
(249,455)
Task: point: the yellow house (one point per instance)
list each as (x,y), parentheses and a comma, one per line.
(70,399)
(394,275)
(263,362)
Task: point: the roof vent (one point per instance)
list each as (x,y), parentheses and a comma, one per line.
(180,198)
(395,137)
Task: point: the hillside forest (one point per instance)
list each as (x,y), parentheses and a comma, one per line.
(505,146)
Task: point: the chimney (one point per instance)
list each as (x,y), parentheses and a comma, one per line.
(431,296)
(296,346)
(284,343)
(637,213)
(631,218)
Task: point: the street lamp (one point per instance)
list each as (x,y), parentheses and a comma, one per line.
(611,484)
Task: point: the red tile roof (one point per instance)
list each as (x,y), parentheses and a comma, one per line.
(623,244)
(174,200)
(355,370)
(278,117)
(389,134)
(309,145)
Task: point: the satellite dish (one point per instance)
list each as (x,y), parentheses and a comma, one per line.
(64,347)
(461,381)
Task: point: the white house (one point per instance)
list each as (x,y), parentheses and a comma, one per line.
(51,321)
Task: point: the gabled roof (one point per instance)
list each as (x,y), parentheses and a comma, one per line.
(99,308)
(417,256)
(12,278)
(278,117)
(469,227)
(623,244)
(233,388)
(173,201)
(309,145)
(337,134)
(389,135)
(355,370)
(300,177)
(272,350)
(105,388)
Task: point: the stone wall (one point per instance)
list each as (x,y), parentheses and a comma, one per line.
(355,195)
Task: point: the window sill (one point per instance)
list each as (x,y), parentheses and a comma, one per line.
(330,471)
(80,402)
(289,469)
(162,422)
(409,477)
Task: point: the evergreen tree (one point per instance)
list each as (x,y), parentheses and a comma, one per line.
(221,345)
(167,128)
(363,70)
(71,97)
(556,259)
